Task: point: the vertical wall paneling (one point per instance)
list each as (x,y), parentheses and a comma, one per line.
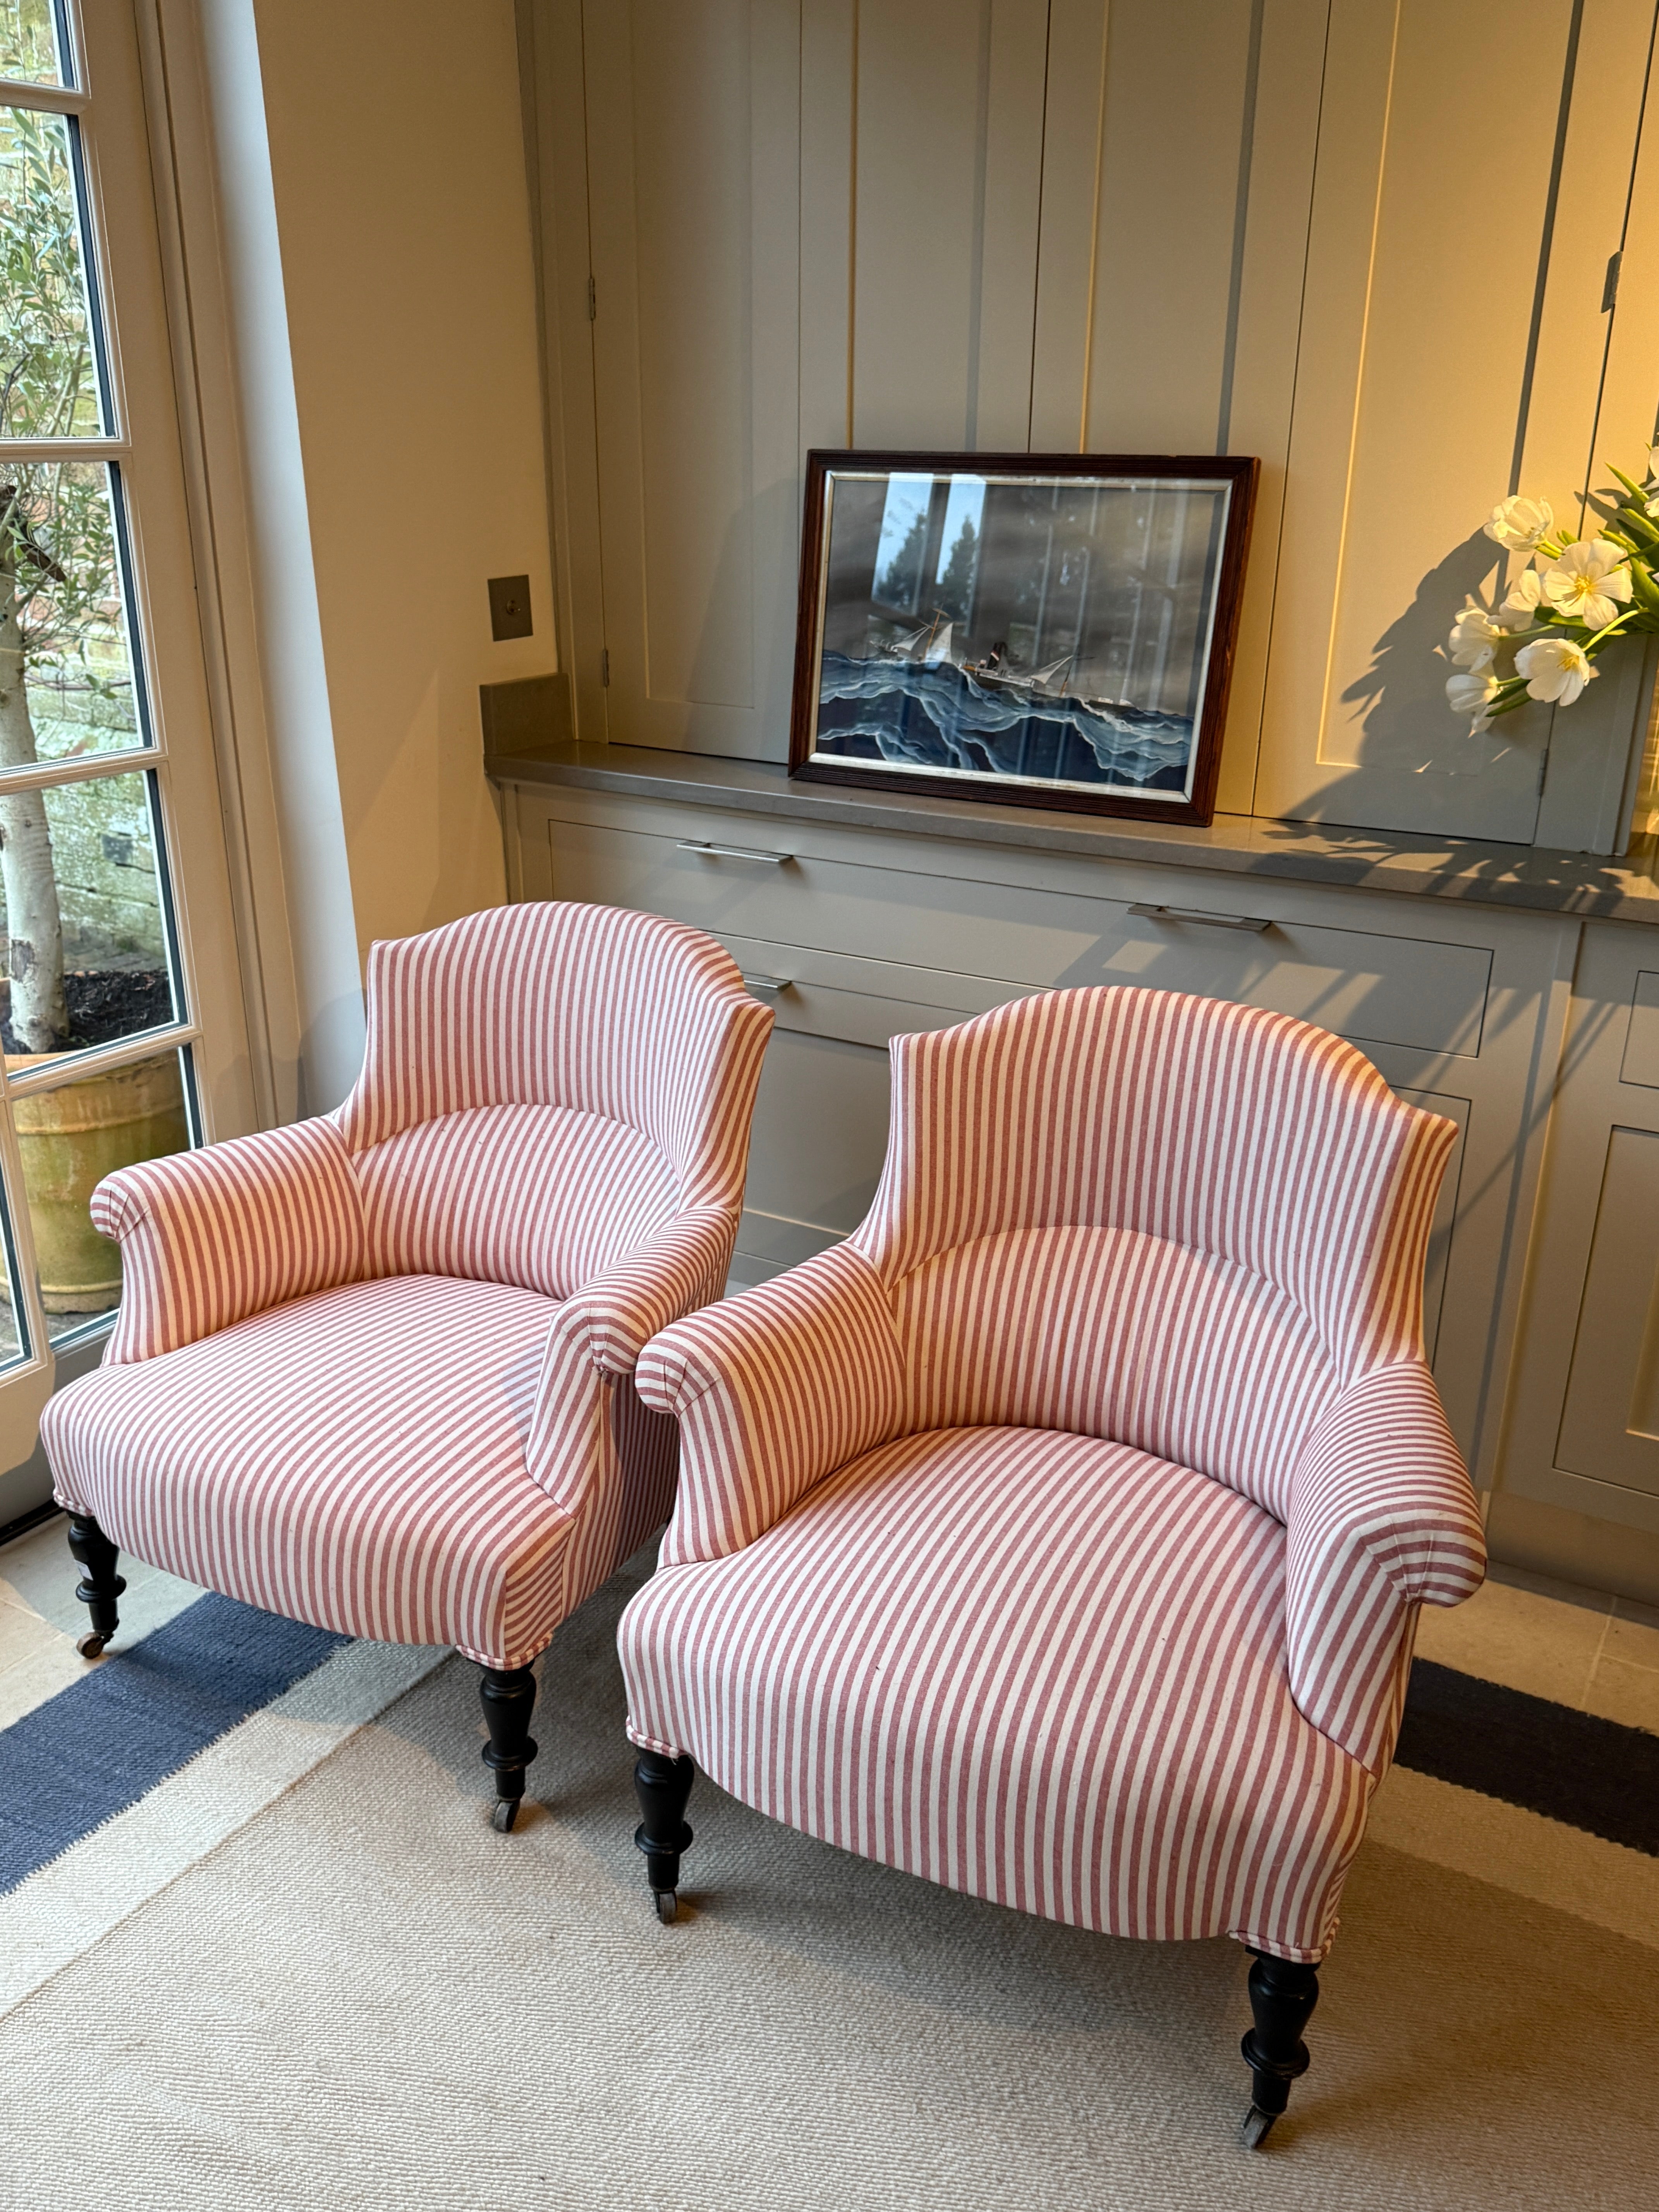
(1270,268)
(550,44)
(1177,178)
(1177,82)
(1598,140)
(693,157)
(1630,391)
(1362,240)
(1422,275)
(947,186)
(1561,450)
(1074,102)
(829,78)
(1012,105)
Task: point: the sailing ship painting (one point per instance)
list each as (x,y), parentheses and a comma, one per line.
(1054,627)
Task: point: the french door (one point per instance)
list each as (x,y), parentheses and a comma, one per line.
(124,1030)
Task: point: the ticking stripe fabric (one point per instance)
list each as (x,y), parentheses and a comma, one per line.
(623,1015)
(590,1191)
(1124,1370)
(1249,1136)
(926,1664)
(374,1372)
(209,1237)
(355,1459)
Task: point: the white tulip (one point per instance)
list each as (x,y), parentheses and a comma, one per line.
(1519,524)
(1555,668)
(1520,610)
(1585,582)
(1475,638)
(1469,694)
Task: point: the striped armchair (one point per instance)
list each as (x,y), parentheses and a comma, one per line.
(1061,1536)
(375,1372)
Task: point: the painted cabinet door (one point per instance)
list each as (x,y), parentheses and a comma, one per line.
(1469,194)
(929,225)
(1583,1429)
(693,181)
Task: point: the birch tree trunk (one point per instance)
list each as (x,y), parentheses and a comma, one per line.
(39,1020)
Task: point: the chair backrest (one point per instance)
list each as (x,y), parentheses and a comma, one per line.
(1182,1224)
(545,1085)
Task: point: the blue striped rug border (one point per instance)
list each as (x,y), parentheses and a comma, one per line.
(136,1717)
(139,1716)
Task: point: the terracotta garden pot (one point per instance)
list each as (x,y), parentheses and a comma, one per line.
(71,1139)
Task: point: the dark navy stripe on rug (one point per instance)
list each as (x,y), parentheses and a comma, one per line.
(100,1746)
(1570,1767)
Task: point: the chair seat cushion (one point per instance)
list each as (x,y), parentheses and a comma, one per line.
(1043,1668)
(354,1459)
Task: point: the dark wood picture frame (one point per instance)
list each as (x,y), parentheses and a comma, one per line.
(1002,787)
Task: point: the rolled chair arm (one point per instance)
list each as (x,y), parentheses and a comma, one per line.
(682,1268)
(773,1391)
(210,1236)
(1382,1519)
(598,1333)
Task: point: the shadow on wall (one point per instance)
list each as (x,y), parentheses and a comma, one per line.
(1406,722)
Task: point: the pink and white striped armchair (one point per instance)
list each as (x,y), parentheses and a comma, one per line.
(1060,1535)
(375,1372)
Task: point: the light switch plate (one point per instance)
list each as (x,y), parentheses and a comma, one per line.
(509,607)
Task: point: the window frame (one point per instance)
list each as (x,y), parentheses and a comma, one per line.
(148,437)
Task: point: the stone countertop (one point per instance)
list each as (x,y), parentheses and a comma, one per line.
(1235,844)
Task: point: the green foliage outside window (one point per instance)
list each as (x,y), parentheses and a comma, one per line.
(59,587)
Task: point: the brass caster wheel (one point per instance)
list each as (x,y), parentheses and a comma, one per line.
(667,1903)
(91,1645)
(1254,2127)
(505,1813)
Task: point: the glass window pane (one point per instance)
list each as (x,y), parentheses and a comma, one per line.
(13,1333)
(30,48)
(70,1139)
(64,624)
(48,364)
(87,943)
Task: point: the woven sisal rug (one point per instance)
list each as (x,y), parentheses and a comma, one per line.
(320,1980)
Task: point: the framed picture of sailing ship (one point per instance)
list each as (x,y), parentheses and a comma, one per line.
(1049,630)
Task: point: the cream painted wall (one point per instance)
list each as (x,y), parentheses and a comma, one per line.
(398,159)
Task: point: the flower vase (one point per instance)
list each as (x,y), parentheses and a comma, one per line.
(1593,768)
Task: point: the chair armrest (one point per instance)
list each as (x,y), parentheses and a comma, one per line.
(773,1390)
(682,1268)
(210,1236)
(1381,1520)
(594,1339)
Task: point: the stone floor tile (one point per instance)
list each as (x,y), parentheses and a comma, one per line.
(1626,1693)
(1527,1641)
(21,1634)
(29,1684)
(1632,1643)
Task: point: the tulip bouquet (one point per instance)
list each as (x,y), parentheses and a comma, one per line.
(1575,597)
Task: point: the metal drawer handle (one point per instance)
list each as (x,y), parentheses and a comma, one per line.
(731,852)
(1197,914)
(768,987)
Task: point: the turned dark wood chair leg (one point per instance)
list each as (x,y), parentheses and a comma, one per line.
(100,1585)
(663,1786)
(1283,1995)
(509,1694)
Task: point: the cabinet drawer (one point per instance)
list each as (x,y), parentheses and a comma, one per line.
(831,994)
(1419,993)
